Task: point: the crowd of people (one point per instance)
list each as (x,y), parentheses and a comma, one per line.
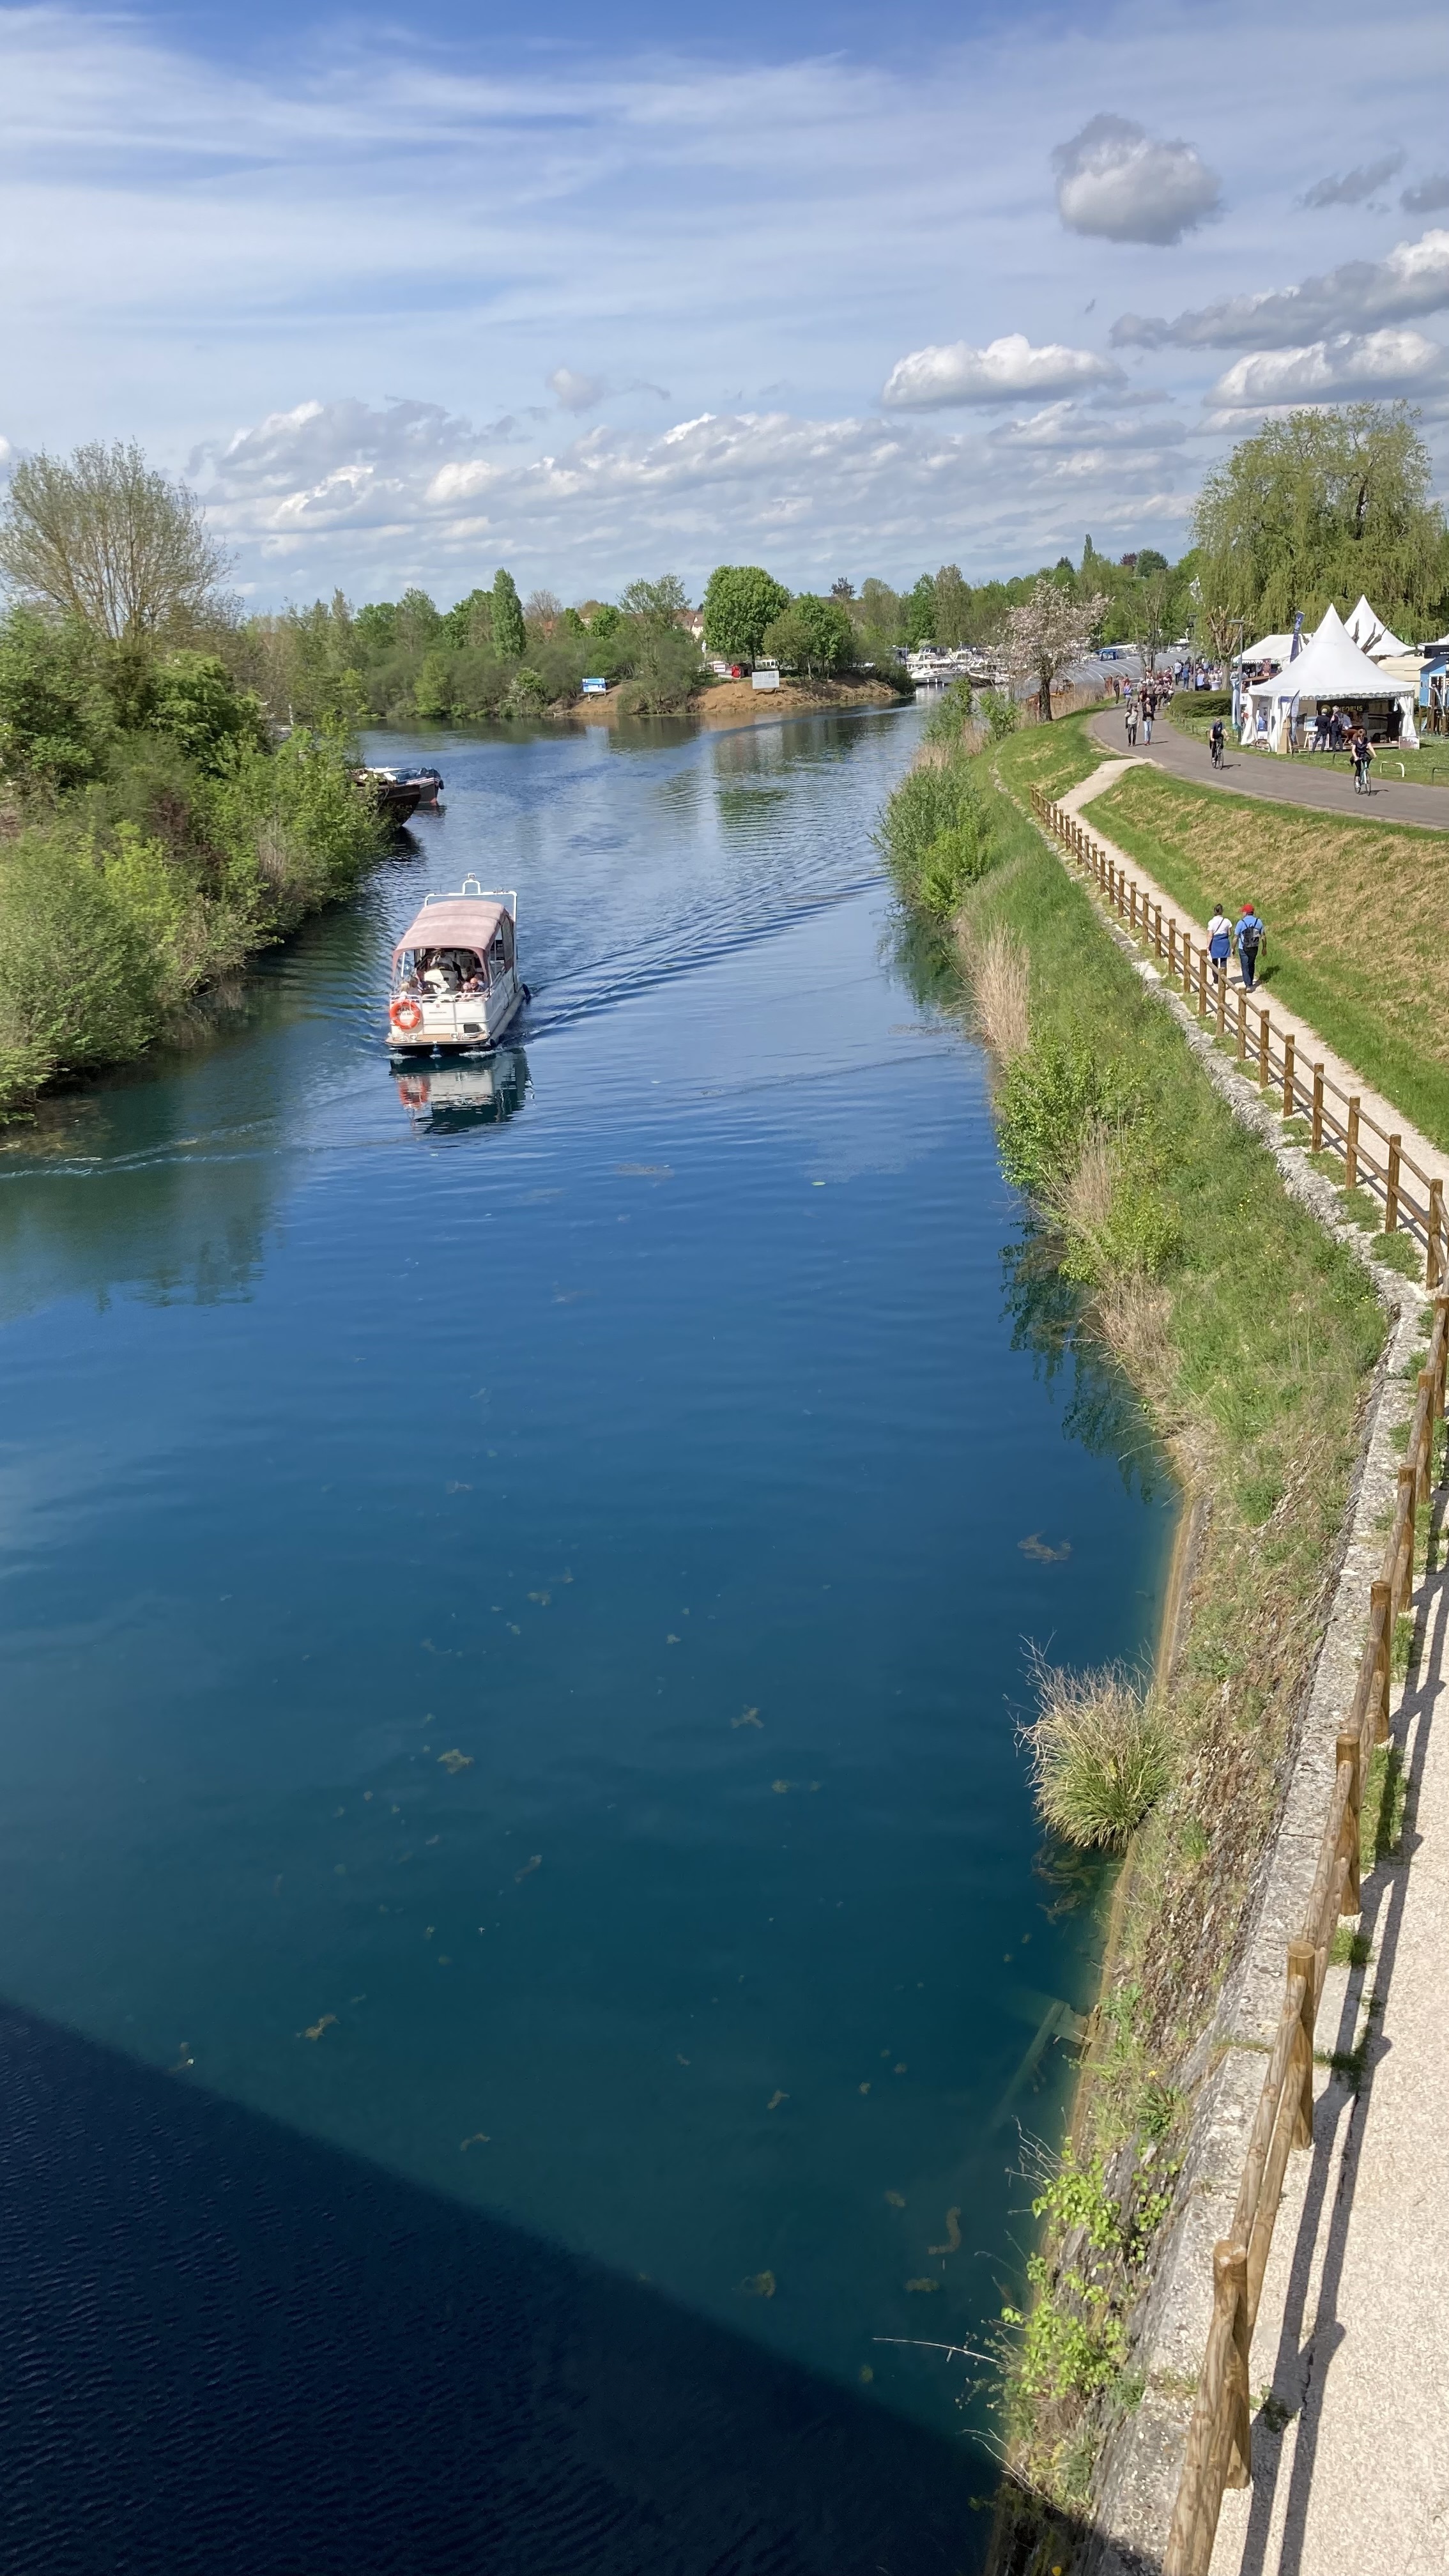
(1142,701)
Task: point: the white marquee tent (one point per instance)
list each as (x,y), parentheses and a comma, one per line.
(1331,671)
(1373,636)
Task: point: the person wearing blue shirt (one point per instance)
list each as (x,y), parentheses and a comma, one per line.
(1248,937)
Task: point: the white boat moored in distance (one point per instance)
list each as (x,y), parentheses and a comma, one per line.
(455,981)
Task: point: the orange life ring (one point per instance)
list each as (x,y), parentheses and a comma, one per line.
(406,1015)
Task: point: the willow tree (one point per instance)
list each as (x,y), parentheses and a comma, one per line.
(105,539)
(1322,508)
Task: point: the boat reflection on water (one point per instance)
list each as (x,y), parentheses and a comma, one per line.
(446,1098)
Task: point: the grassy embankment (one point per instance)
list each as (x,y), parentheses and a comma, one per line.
(1354,910)
(151,838)
(1251,1338)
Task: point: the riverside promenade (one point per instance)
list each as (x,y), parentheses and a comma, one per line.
(1349,2371)
(1281,782)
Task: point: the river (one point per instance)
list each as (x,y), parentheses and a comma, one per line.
(524,1941)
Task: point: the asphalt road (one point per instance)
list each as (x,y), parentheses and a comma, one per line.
(1280,782)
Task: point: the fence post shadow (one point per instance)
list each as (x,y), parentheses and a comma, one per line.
(1300,2367)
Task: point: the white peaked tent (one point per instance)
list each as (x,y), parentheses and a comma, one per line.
(1331,671)
(1372,636)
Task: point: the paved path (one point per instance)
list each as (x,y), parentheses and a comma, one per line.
(1310,1047)
(1281,782)
(1351,2338)
(1351,2457)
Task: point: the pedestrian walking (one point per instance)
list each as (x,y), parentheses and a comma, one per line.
(1149,710)
(1220,943)
(1249,936)
(1131,724)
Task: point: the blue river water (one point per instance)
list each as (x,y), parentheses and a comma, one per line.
(524,1942)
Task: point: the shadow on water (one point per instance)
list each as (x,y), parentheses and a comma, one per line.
(229,2348)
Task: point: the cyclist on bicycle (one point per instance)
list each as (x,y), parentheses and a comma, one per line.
(1216,738)
(1363,752)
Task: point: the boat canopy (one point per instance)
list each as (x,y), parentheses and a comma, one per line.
(467,920)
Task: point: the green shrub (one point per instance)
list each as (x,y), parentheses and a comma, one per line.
(1003,714)
(1052,1098)
(194,699)
(934,836)
(81,979)
(951,712)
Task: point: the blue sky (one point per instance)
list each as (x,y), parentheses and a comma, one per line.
(619,291)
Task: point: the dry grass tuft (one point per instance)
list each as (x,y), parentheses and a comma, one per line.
(1000,988)
(1082,1204)
(1101,1752)
(1133,1316)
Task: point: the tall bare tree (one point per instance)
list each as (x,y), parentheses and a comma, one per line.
(1048,631)
(103,537)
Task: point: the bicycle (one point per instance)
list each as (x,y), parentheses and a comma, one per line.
(1216,749)
(1361,785)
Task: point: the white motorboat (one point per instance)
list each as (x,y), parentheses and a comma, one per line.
(455,981)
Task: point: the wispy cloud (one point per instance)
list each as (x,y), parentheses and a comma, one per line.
(1351,187)
(1428,195)
(1413,280)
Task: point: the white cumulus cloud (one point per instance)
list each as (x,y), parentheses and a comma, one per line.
(1353,364)
(1003,371)
(1114,180)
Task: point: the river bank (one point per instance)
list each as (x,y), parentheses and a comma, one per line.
(739,702)
(1252,1339)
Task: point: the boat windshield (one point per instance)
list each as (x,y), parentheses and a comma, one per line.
(440,971)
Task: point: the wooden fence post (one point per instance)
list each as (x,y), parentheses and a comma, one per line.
(1159,930)
(1242,1026)
(1230,2298)
(1132,905)
(1425,1460)
(1303,1962)
(1350,1750)
(1381,1610)
(1187,966)
(1434,1262)
(1391,1191)
(1202,983)
(1350,1147)
(1222,1001)
(1409,1497)
(1289,1084)
(1172,950)
(1316,1145)
(1265,1052)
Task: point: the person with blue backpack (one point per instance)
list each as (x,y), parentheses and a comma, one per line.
(1248,938)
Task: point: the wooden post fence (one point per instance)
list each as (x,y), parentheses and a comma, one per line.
(1412,1199)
